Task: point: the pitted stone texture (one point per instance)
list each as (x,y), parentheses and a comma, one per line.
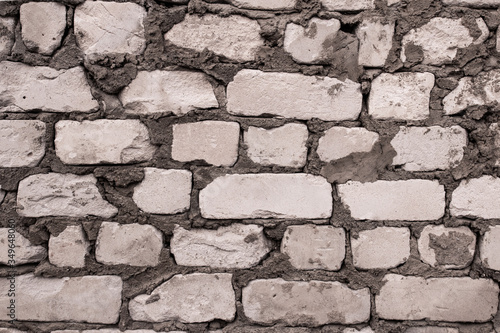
(175,92)
(348,5)
(8,25)
(314,247)
(91,299)
(477,197)
(254,93)
(340,142)
(441,38)
(42,26)
(441,299)
(283,146)
(450,248)
(235,246)
(192,298)
(164,191)
(401,96)
(489,247)
(69,248)
(57,194)
(242,196)
(312,303)
(403,200)
(235,37)
(129,244)
(264,4)
(215,142)
(382,247)
(432,329)
(103,141)
(311,44)
(110,27)
(22,143)
(375,42)
(24,251)
(24,88)
(429,148)
(473,3)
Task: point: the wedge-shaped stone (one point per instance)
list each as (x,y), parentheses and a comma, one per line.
(69,248)
(22,143)
(375,42)
(477,197)
(348,5)
(340,142)
(489,247)
(24,251)
(264,4)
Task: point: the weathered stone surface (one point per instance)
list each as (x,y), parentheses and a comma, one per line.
(441,299)
(109,330)
(410,200)
(11,330)
(314,247)
(375,42)
(312,303)
(2,195)
(429,148)
(382,247)
(235,246)
(477,197)
(91,299)
(56,194)
(69,248)
(22,143)
(495,131)
(215,142)
(241,196)
(264,4)
(348,5)
(440,39)
(175,92)
(473,3)
(432,329)
(42,25)
(340,142)
(103,141)
(363,330)
(7,25)
(401,96)
(192,298)
(235,37)
(24,251)
(110,27)
(25,88)
(284,146)
(254,93)
(489,247)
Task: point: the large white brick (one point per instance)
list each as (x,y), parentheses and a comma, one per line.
(24,88)
(69,248)
(241,196)
(175,92)
(56,194)
(410,200)
(477,197)
(375,42)
(490,247)
(312,303)
(22,143)
(348,5)
(314,247)
(403,96)
(254,93)
(264,4)
(284,146)
(24,251)
(192,298)
(441,299)
(235,37)
(103,141)
(235,246)
(216,142)
(429,148)
(8,25)
(91,299)
(340,142)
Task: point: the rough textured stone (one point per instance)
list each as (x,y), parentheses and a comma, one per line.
(69,248)
(440,39)
(24,251)
(2,194)
(264,4)
(91,299)
(489,247)
(103,141)
(7,25)
(255,93)
(189,298)
(314,247)
(340,142)
(473,3)
(453,299)
(429,148)
(432,329)
(24,88)
(235,246)
(363,330)
(175,92)
(42,25)
(403,96)
(348,5)
(375,42)
(312,303)
(235,37)
(215,142)
(241,196)
(382,247)
(163,191)
(110,27)
(283,146)
(56,194)
(11,330)
(495,131)
(410,200)
(22,143)
(477,197)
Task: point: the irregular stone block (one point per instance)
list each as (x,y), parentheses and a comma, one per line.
(473,3)
(363,330)
(69,248)
(339,142)
(22,143)
(489,247)
(2,194)
(264,4)
(432,329)
(24,251)
(375,42)
(7,24)
(348,5)
(477,197)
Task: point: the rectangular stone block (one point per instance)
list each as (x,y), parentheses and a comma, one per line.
(22,143)
(348,5)
(477,197)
